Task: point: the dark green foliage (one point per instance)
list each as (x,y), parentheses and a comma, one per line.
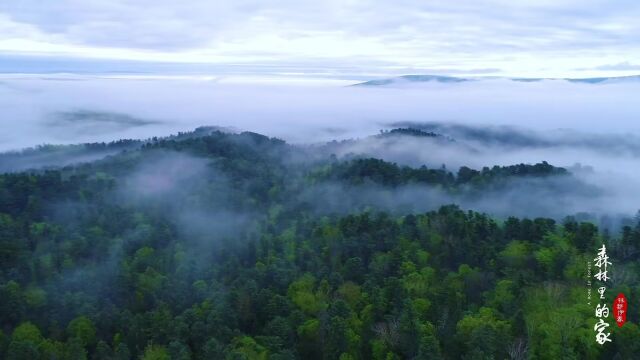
(378,171)
(409,132)
(89,269)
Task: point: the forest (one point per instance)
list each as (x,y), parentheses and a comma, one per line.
(218,245)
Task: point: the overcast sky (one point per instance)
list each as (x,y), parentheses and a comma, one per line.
(548,38)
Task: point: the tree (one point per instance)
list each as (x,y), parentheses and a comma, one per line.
(213,349)
(179,351)
(122,352)
(483,334)
(82,329)
(155,352)
(25,341)
(103,351)
(22,350)
(245,347)
(75,349)
(12,303)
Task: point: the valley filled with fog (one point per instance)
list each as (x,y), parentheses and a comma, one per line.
(588,128)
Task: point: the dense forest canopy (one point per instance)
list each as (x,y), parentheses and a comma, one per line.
(214,245)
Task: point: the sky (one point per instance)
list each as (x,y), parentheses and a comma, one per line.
(336,39)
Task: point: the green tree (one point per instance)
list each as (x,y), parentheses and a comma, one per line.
(155,352)
(82,328)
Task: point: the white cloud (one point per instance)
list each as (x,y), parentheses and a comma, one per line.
(625,65)
(523,38)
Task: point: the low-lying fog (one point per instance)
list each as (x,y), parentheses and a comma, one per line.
(70,109)
(490,122)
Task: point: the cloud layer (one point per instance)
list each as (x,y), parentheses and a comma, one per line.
(39,109)
(552,38)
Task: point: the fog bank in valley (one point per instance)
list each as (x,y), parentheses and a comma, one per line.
(591,129)
(73,109)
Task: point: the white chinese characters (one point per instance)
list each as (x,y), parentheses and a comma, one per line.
(602,311)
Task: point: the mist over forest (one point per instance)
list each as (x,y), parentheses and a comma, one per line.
(172,218)
(501,122)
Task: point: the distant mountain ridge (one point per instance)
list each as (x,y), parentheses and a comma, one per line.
(452,79)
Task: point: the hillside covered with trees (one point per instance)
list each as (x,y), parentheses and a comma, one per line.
(212,245)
